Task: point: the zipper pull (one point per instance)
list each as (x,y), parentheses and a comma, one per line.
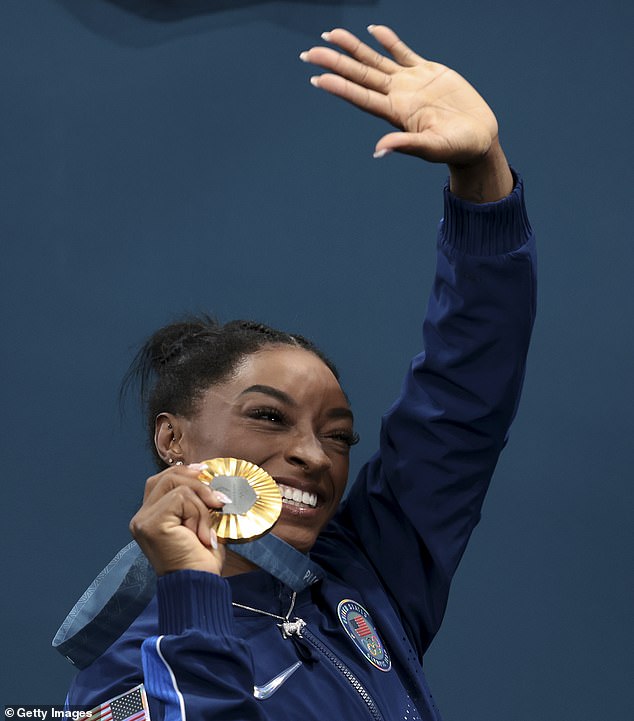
(293,630)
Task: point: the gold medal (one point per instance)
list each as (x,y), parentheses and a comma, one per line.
(256,499)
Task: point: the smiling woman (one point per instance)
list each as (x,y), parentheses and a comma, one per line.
(279,406)
(329,616)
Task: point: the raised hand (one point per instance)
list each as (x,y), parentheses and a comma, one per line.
(441,117)
(173,525)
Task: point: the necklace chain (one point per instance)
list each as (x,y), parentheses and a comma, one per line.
(267,613)
(287,627)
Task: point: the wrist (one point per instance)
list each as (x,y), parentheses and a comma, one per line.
(194,600)
(485,181)
(485,229)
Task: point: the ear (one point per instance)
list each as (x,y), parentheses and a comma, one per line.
(167,438)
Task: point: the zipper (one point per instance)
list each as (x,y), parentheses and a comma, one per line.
(344,670)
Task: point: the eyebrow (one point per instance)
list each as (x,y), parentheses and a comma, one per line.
(270,391)
(285,398)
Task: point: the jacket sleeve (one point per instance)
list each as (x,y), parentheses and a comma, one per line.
(415,504)
(196,667)
(184,650)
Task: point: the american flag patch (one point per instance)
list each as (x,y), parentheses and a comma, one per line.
(359,626)
(129,706)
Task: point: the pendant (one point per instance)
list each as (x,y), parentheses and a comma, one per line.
(292,628)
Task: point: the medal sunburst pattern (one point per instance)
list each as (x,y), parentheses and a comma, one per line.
(263,514)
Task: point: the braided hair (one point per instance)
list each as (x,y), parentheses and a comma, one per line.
(181,361)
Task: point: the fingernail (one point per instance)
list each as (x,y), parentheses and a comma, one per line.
(325,36)
(304,56)
(222,497)
(371,28)
(213,539)
(197,466)
(381,153)
(315,81)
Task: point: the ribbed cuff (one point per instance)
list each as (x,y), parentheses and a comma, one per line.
(487,228)
(194,600)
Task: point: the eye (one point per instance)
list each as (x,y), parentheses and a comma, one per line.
(272,415)
(345,437)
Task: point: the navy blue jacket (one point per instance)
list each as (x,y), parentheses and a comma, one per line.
(394,545)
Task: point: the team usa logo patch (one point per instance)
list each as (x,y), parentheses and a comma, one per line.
(361,629)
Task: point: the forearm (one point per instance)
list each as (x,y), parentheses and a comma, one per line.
(421,497)
(196,664)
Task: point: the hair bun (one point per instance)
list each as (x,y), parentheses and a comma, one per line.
(172,343)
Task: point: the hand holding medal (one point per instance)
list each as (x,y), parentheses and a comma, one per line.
(187,509)
(173,526)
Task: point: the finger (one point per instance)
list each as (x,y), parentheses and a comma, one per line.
(425,145)
(187,509)
(360,51)
(216,549)
(192,509)
(370,100)
(219,499)
(349,68)
(150,485)
(206,534)
(187,504)
(183,476)
(170,472)
(196,517)
(401,52)
(180,507)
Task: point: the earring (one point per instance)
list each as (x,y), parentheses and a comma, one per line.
(170,426)
(179,463)
(170,461)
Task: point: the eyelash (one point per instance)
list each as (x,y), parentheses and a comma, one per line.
(350,439)
(276,416)
(272,414)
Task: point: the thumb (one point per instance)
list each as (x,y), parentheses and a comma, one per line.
(419,144)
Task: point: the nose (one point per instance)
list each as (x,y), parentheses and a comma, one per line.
(305,449)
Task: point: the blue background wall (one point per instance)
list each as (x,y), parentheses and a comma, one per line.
(173,156)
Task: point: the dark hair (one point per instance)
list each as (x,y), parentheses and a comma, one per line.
(181,361)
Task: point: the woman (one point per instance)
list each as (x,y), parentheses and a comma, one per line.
(342,632)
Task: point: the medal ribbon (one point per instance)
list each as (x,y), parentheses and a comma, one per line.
(287,564)
(127,584)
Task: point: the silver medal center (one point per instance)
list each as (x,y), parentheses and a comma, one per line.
(240,492)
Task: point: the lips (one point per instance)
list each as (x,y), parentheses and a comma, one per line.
(301,520)
(296,497)
(299,495)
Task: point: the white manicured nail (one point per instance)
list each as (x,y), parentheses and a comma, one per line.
(213,539)
(197,466)
(325,36)
(371,28)
(381,153)
(303,57)
(222,497)
(315,81)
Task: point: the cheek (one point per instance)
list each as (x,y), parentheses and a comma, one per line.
(235,443)
(340,476)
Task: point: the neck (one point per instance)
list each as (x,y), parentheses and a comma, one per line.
(235,564)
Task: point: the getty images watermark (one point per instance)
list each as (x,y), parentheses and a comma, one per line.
(45,713)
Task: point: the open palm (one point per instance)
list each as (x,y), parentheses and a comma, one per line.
(441,117)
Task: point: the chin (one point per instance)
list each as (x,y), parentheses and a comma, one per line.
(303,542)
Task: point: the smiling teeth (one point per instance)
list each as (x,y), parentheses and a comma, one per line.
(298,497)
